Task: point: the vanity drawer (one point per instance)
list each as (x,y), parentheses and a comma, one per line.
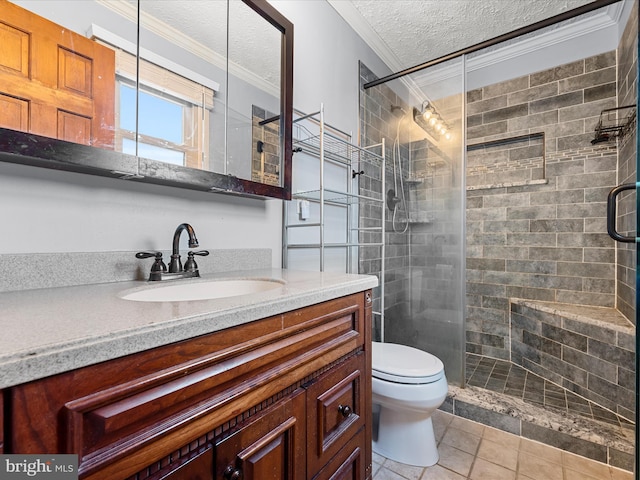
(335,410)
(349,463)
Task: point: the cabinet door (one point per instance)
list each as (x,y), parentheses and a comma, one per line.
(269,447)
(349,463)
(335,410)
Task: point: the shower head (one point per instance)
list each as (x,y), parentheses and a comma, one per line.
(398,111)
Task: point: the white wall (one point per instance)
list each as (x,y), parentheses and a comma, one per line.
(326,54)
(50,211)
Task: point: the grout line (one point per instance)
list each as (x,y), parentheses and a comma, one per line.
(475,456)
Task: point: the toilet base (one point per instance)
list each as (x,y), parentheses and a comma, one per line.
(406,437)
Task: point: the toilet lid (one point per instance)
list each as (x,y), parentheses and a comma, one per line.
(404,364)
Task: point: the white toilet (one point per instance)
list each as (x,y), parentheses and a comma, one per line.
(408,386)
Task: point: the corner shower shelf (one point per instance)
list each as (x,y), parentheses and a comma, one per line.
(614,123)
(325,148)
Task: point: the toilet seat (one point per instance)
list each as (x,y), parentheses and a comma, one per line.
(404,364)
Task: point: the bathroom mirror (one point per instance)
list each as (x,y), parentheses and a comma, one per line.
(188,93)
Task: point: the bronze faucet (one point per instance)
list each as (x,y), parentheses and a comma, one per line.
(175,265)
(159,269)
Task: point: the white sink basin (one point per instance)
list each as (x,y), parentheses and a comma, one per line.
(208,290)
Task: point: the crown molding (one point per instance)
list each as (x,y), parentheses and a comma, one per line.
(599,33)
(606,20)
(357,22)
(182,40)
(105,35)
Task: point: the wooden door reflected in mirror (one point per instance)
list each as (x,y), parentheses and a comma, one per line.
(54,82)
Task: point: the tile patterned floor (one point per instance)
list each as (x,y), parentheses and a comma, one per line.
(470,450)
(504,377)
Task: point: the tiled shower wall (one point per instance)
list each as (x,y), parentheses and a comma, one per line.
(544,239)
(424,258)
(377,122)
(422,264)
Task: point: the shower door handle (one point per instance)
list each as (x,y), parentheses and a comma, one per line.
(612,213)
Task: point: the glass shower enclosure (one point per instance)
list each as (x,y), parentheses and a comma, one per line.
(424,264)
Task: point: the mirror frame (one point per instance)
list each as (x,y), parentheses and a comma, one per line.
(35,150)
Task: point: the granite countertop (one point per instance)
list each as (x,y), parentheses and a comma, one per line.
(53,330)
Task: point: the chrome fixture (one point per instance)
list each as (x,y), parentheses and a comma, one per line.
(396,197)
(175,270)
(431,121)
(398,111)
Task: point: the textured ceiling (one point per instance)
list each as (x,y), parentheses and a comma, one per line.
(409,32)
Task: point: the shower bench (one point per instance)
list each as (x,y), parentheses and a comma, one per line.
(585,349)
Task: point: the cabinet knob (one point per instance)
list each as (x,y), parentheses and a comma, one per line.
(345,410)
(231,473)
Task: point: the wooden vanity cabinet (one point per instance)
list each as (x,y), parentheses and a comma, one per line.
(285,397)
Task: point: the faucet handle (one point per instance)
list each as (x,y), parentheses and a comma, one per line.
(190,265)
(158,265)
(148,254)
